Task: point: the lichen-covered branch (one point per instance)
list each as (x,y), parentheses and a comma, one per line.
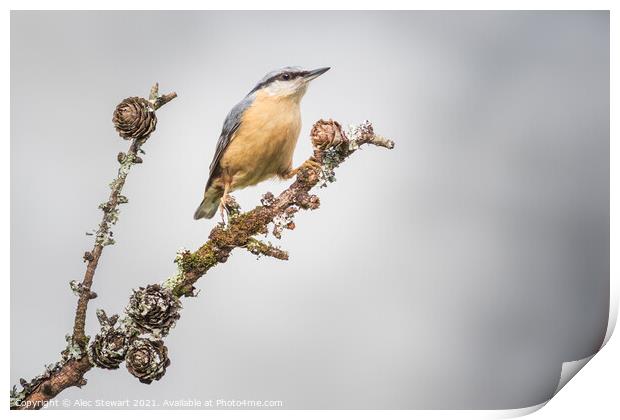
(134,119)
(137,338)
(332,146)
(259,248)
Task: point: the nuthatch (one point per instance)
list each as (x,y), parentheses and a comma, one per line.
(258,138)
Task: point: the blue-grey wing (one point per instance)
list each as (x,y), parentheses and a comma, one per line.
(231,124)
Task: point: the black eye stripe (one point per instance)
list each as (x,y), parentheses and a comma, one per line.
(293,75)
(290,75)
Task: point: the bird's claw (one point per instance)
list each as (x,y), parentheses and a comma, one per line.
(228,205)
(310,164)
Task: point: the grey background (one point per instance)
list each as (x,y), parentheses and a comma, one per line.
(457,271)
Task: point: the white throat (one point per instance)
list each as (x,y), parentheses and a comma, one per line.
(290,88)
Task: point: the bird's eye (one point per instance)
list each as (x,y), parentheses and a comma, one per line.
(286,76)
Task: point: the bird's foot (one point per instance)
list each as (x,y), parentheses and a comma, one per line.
(228,205)
(310,164)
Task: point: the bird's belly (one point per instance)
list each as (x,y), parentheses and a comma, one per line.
(262,147)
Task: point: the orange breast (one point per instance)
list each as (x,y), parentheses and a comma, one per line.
(263,145)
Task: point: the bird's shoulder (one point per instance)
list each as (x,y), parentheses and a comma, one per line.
(233,119)
(230,126)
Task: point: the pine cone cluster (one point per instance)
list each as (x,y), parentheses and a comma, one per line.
(326,134)
(147,359)
(134,118)
(154,309)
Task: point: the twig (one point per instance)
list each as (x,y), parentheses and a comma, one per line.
(104,235)
(103,238)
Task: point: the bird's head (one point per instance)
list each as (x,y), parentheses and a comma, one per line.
(288,81)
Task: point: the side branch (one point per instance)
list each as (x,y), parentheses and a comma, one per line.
(134,119)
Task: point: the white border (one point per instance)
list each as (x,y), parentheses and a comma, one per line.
(592,394)
(313,5)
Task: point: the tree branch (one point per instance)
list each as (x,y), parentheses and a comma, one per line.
(103,236)
(153,311)
(135,120)
(331,147)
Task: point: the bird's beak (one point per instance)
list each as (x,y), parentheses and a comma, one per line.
(313,74)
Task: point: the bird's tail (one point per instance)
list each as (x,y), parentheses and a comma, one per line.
(209,204)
